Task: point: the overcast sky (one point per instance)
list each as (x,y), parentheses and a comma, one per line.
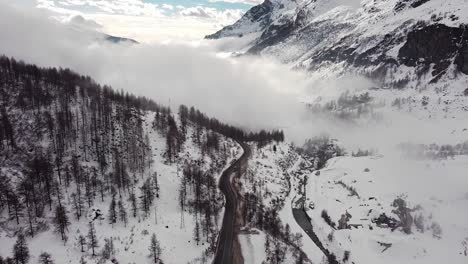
(148,21)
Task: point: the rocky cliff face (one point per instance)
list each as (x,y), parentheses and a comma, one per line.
(373,37)
(437,45)
(402,4)
(257,18)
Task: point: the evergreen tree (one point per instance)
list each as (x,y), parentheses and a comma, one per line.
(92,239)
(196,232)
(155,250)
(108,251)
(78,204)
(17,207)
(7,129)
(82,242)
(173,143)
(61,222)
(112,211)
(45,258)
(133,202)
(122,213)
(147,196)
(20,250)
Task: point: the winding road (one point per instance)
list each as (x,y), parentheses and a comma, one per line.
(228,249)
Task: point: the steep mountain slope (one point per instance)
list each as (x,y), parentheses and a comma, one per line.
(405,199)
(257,19)
(93,173)
(107,160)
(373,38)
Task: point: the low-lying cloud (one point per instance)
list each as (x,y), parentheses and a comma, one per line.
(80,21)
(248,92)
(252,93)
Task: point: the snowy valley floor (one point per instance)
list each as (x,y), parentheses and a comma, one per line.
(365,187)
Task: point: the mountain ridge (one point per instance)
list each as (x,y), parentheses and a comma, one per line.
(75,154)
(373,38)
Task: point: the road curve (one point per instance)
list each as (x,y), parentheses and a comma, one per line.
(227,252)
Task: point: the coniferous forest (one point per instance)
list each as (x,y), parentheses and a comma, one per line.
(68,143)
(233,132)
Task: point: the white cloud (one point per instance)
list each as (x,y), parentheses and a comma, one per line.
(219,16)
(167,6)
(198,11)
(123,7)
(248,92)
(145,22)
(80,21)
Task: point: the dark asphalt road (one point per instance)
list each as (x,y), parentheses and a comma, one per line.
(225,251)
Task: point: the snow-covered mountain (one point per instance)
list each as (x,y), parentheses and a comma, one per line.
(403,202)
(101,167)
(390,41)
(91,175)
(87,174)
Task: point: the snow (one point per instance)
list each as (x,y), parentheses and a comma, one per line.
(253,249)
(364,187)
(308,246)
(360,25)
(439,187)
(269,169)
(132,241)
(436,188)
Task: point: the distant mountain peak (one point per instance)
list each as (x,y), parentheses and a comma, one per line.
(119,40)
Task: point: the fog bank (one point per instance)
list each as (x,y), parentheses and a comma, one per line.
(252,93)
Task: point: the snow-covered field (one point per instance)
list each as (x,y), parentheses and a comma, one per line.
(434,189)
